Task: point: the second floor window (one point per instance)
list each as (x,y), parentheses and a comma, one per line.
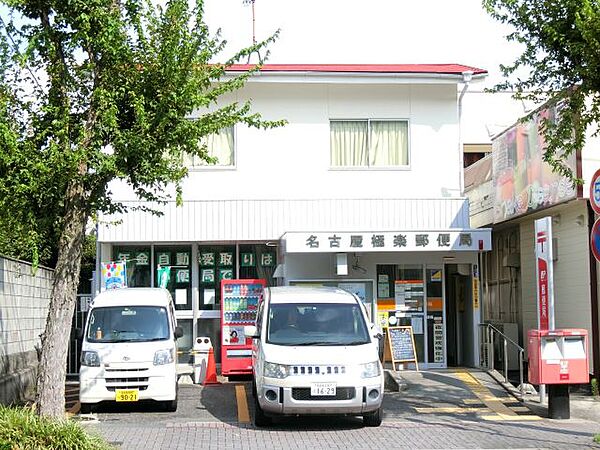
(369,143)
(219,146)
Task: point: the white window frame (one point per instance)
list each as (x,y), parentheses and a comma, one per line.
(210,167)
(369,120)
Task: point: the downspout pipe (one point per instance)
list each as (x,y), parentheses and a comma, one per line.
(467,77)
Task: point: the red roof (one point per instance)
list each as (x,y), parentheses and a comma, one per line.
(447,69)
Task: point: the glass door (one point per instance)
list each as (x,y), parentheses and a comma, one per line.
(435,313)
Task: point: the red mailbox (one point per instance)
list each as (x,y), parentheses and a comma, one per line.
(558,356)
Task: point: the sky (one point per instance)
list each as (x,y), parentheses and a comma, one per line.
(383,31)
(368,31)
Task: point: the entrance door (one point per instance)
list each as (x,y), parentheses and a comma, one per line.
(459,315)
(413,295)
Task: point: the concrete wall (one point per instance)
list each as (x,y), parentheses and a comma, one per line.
(24,300)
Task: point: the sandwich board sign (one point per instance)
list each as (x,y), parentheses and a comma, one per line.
(400,346)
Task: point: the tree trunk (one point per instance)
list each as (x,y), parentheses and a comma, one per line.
(50,395)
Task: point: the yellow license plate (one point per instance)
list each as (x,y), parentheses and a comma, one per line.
(127,395)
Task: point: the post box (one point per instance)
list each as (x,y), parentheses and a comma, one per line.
(558,356)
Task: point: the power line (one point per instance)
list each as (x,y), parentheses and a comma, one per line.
(16,50)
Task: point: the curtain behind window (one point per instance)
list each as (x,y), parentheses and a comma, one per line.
(348,143)
(219,145)
(388,143)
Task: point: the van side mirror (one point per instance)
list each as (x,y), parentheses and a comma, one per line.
(376,331)
(178,332)
(251,331)
(79,333)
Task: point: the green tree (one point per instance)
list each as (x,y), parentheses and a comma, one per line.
(560,64)
(93,91)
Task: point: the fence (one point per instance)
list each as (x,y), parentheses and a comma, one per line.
(79,317)
(24,301)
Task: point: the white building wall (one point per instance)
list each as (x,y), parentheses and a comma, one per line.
(571,269)
(292,162)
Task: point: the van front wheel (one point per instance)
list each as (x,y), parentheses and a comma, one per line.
(171,405)
(374,418)
(260,419)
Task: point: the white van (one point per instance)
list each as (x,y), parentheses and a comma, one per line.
(315,352)
(128,349)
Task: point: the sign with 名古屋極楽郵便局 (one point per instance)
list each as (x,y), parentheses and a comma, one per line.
(400,241)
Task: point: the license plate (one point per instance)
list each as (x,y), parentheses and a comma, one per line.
(323,389)
(127,395)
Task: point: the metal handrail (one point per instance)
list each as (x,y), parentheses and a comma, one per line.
(490,332)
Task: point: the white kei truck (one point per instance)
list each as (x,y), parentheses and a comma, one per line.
(129,350)
(315,352)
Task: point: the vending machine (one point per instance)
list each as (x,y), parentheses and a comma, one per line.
(239,303)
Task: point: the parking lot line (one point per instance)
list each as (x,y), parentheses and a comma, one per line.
(242,404)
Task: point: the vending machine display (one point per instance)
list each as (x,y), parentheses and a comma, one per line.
(239,303)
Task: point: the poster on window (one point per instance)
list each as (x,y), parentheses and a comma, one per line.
(417,324)
(164,276)
(114,275)
(411,293)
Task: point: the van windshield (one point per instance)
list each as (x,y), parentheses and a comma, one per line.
(316,324)
(128,324)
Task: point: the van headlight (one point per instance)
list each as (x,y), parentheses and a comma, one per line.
(164,357)
(274,370)
(370,370)
(90,359)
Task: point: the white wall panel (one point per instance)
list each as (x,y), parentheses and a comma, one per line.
(232,220)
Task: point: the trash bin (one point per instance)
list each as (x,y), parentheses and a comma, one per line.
(200,349)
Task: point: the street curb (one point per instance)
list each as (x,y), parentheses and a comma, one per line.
(393,382)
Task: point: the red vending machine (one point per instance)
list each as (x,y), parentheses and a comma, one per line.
(239,302)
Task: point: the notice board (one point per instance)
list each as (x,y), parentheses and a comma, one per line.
(400,345)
